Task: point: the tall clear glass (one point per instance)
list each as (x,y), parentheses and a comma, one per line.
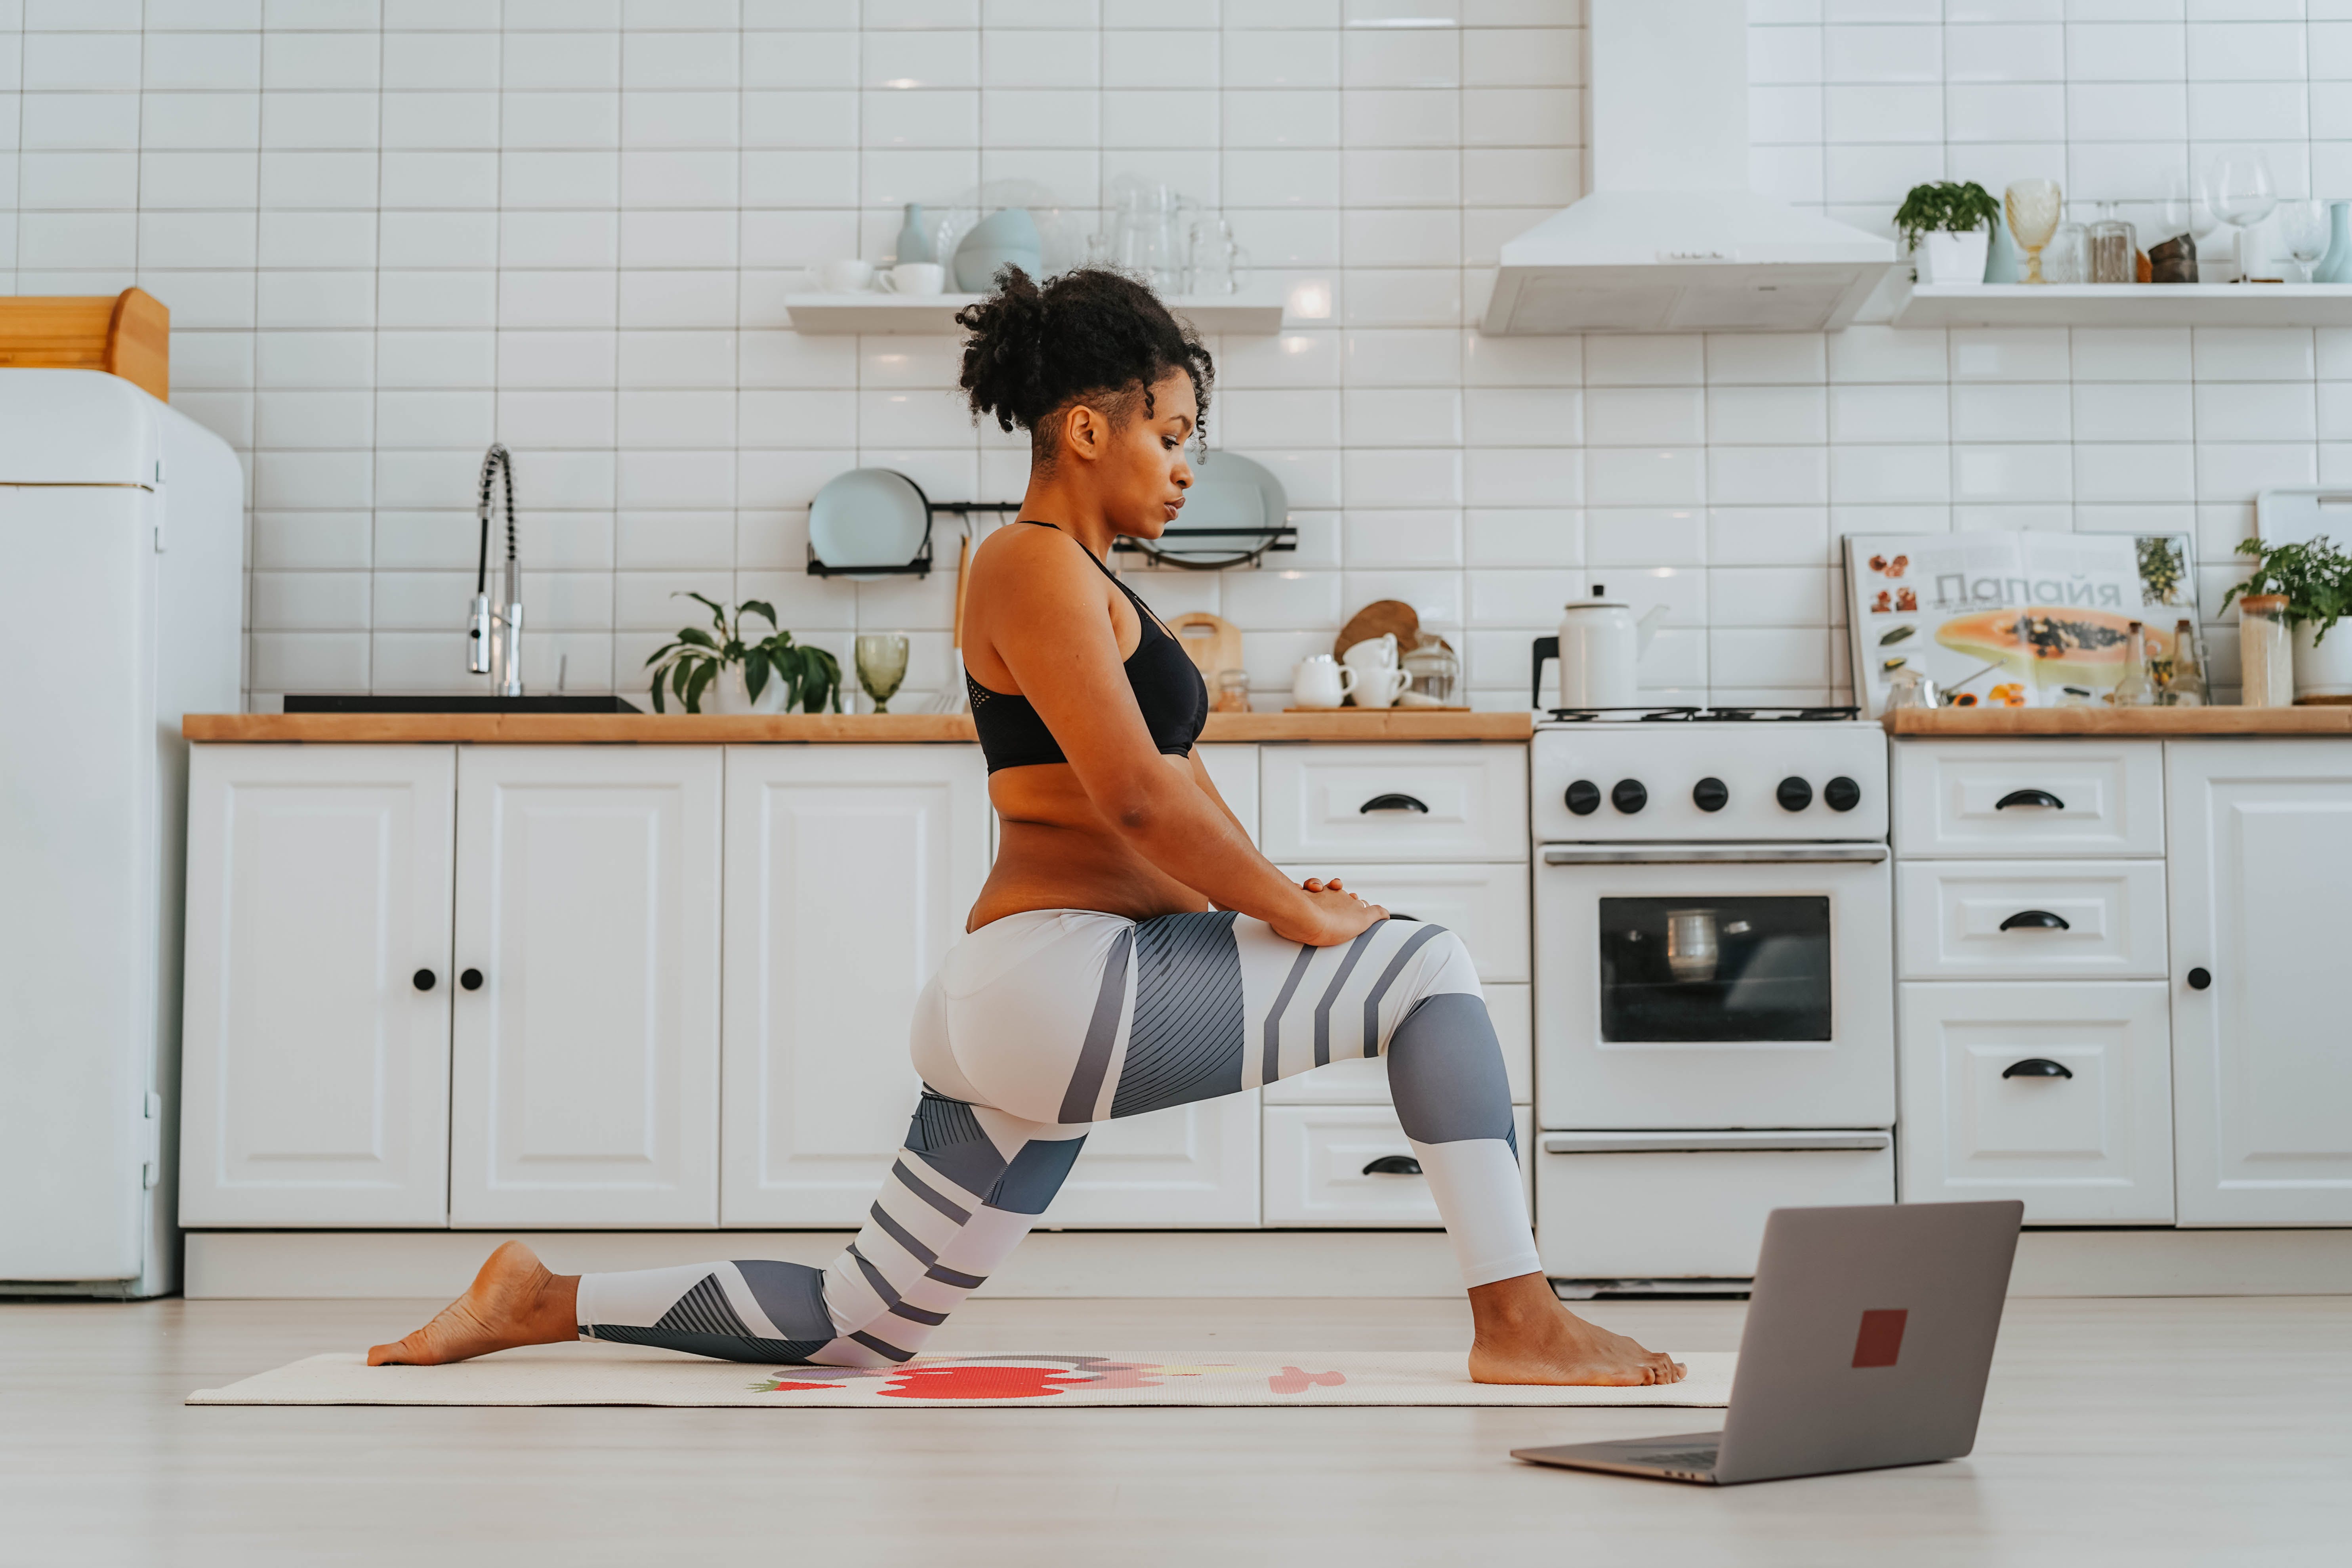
(2243,193)
(2032,207)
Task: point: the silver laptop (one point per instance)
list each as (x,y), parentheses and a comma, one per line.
(1869,1335)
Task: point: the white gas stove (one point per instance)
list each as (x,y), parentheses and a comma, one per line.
(1714,1019)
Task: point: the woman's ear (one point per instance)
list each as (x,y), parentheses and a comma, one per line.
(1083,431)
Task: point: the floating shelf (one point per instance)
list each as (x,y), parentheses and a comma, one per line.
(1252,311)
(2126,305)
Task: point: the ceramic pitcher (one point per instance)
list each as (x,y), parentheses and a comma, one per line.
(1601,647)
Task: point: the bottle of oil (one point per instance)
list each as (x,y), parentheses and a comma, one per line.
(2135,689)
(2187,689)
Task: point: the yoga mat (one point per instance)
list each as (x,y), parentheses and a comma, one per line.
(1108,1379)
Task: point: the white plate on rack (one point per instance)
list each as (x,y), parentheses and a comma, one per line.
(869,518)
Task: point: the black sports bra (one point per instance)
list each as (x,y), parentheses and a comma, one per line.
(1167,687)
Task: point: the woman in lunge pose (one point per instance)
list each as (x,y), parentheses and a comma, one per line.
(1131,948)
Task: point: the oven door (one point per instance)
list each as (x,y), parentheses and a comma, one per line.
(1714,985)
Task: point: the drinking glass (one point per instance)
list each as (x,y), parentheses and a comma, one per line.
(881,666)
(2302,230)
(2067,258)
(2185,210)
(2241,193)
(2032,217)
(2115,248)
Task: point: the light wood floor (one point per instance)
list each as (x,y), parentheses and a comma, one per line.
(2143,1432)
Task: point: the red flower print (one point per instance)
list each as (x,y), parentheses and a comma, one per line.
(1290,1380)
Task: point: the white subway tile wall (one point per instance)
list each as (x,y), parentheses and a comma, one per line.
(391,231)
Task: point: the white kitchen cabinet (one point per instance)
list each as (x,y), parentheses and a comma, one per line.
(2030,920)
(585,1035)
(1389,803)
(1352,1166)
(2057,1094)
(2261,833)
(850,872)
(1187,1166)
(1233,770)
(315,1074)
(2011,798)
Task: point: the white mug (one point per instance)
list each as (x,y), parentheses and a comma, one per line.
(914,278)
(1372,653)
(1319,681)
(851,276)
(1380,687)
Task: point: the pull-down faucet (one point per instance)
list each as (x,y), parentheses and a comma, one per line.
(494,639)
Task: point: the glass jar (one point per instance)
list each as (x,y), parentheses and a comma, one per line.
(1232,692)
(2265,651)
(1433,670)
(2067,258)
(2115,248)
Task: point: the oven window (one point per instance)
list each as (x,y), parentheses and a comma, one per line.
(1698,969)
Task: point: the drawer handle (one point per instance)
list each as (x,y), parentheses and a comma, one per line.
(1393,1165)
(2035,920)
(1392,802)
(2042,798)
(2037,1067)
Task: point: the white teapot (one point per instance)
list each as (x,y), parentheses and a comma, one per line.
(1600,649)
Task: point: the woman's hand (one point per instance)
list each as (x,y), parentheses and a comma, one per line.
(1331,915)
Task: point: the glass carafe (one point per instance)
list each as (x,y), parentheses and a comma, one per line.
(2115,248)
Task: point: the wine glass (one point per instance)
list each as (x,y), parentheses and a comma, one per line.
(881,666)
(2032,217)
(2241,193)
(2185,208)
(2303,229)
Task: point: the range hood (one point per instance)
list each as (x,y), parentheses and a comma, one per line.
(1671,238)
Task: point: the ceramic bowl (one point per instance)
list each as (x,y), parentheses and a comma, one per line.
(1005,237)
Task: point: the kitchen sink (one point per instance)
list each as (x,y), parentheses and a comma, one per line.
(581,703)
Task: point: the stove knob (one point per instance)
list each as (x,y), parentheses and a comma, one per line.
(1794,794)
(1841,793)
(1584,797)
(1709,794)
(1629,796)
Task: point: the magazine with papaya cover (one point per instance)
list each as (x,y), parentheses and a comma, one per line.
(2017,620)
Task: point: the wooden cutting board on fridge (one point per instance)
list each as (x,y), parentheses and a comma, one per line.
(1212,642)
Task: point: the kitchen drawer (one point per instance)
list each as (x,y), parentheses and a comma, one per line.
(1994,798)
(1355,1080)
(1607,1210)
(2091,1147)
(1950,917)
(1485,906)
(1427,802)
(1316,1160)
(1233,770)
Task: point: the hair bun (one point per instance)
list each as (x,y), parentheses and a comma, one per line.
(1033,347)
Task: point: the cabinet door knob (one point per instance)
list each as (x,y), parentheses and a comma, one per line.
(2040,797)
(1393,1165)
(1392,802)
(2199,979)
(471,980)
(2035,920)
(2037,1067)
(424,980)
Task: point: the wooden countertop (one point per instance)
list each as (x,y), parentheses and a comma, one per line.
(1996,723)
(711,729)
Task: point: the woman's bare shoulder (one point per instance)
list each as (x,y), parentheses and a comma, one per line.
(1020,561)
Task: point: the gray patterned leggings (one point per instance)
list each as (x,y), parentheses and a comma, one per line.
(1041,1024)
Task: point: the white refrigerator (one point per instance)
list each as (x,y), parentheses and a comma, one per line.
(121,582)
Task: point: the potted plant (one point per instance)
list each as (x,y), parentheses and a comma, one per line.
(2316,579)
(773,675)
(1948,224)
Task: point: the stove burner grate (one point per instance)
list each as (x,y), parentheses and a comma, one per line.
(1687,715)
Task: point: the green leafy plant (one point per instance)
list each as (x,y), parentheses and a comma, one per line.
(688,664)
(2315,577)
(1945,206)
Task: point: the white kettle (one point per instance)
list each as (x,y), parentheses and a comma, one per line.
(1600,647)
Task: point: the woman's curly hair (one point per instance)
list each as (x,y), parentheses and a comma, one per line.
(1089,333)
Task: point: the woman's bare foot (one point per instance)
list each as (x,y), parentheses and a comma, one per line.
(514,1301)
(1525,1335)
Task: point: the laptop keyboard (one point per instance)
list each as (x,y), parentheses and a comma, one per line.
(1678,1459)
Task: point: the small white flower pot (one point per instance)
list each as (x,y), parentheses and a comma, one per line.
(2325,669)
(1954,258)
(727,694)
